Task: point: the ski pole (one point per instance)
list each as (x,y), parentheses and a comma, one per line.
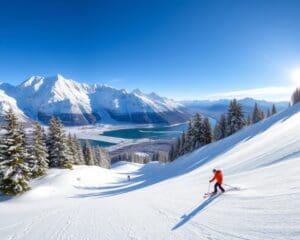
(208,187)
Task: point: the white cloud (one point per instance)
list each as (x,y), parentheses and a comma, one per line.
(267,93)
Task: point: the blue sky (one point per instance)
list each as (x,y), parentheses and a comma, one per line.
(179,49)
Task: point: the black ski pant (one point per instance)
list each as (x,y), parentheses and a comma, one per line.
(218,185)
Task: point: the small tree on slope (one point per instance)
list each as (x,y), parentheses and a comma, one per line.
(198,136)
(207,132)
(235,118)
(14,172)
(59,154)
(72,149)
(102,157)
(257,114)
(220,130)
(274,110)
(79,153)
(39,152)
(296,96)
(88,153)
(189,138)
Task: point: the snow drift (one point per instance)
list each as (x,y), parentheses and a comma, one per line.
(261,165)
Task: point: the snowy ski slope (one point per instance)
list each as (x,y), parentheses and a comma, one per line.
(164,202)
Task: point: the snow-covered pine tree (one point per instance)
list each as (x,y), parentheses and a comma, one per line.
(105,159)
(257,114)
(262,115)
(274,110)
(296,96)
(189,138)
(59,154)
(72,148)
(24,142)
(53,143)
(172,154)
(78,149)
(268,113)
(163,157)
(98,156)
(220,130)
(197,125)
(177,145)
(14,172)
(235,117)
(88,153)
(182,144)
(248,121)
(38,154)
(206,131)
(102,157)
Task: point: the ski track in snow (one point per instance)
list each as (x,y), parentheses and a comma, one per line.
(165,202)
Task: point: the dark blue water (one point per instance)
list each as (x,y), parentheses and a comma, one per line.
(99,143)
(158,132)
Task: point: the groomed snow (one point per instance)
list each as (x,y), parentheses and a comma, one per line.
(164,202)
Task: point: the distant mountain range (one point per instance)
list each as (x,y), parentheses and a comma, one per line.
(215,108)
(39,98)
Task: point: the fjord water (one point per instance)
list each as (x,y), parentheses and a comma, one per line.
(156,132)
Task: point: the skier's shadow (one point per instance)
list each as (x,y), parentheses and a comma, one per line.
(185,218)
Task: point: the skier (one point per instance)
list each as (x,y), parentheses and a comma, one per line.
(218,176)
(128,178)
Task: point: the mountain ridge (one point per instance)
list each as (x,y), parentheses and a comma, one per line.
(39,98)
(80,104)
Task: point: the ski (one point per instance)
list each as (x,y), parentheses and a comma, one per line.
(206,195)
(211,194)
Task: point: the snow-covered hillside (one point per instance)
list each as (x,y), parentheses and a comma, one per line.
(6,103)
(79,104)
(161,202)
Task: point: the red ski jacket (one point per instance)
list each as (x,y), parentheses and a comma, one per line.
(218,177)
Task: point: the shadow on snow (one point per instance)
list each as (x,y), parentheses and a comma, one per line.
(185,218)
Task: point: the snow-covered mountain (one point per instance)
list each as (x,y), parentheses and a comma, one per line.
(214,108)
(77,104)
(261,176)
(6,103)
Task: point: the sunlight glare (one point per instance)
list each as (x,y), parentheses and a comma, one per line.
(295,76)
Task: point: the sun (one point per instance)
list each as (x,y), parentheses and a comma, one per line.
(295,76)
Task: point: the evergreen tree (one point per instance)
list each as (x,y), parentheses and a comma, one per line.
(197,125)
(79,153)
(262,115)
(102,157)
(59,153)
(207,132)
(72,149)
(14,172)
(274,110)
(268,113)
(172,154)
(249,121)
(220,130)
(235,117)
(257,114)
(189,138)
(88,153)
(38,160)
(177,147)
(296,96)
(182,144)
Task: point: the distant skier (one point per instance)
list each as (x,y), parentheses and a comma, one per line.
(218,176)
(128,177)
